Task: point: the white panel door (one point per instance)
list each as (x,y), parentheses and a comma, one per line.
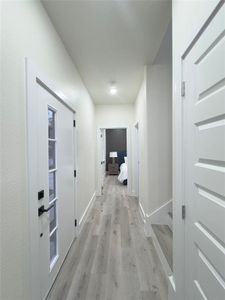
(204,143)
(55,176)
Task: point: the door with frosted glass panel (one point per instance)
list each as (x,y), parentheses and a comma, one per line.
(56,183)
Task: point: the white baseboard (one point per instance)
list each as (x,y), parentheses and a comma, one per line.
(134,194)
(161,255)
(171,288)
(86,212)
(98,194)
(142,213)
(160,215)
(143,218)
(167,270)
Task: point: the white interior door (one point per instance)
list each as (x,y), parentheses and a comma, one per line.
(55,179)
(103,157)
(204,140)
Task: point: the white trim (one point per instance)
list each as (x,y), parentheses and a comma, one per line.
(143,219)
(161,215)
(142,213)
(55,259)
(158,216)
(158,209)
(172,283)
(161,255)
(48,86)
(134,194)
(100,131)
(31,180)
(75,147)
(135,160)
(86,212)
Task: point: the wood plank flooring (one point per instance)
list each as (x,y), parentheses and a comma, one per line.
(111,259)
(165,238)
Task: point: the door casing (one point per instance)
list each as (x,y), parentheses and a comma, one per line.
(136,160)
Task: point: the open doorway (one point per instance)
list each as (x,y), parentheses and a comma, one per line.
(112,156)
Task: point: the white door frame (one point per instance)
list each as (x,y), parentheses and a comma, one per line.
(99,166)
(129,158)
(33,79)
(177,289)
(136,145)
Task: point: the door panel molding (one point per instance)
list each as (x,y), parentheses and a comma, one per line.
(203,69)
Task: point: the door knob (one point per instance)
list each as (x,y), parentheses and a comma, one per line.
(42,209)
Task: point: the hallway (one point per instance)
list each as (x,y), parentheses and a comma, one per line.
(111,258)
(96,95)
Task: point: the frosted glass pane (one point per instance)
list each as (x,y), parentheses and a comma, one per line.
(52,218)
(51,155)
(53,246)
(52,186)
(51,124)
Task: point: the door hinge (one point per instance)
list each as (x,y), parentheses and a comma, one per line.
(183,212)
(75,173)
(74,123)
(183,89)
(75,222)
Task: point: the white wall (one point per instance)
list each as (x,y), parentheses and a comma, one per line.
(118,116)
(154,115)
(159,94)
(0,146)
(28,32)
(141,119)
(184,32)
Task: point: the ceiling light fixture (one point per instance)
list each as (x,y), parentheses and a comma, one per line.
(113,90)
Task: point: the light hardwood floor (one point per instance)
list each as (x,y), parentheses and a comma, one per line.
(165,239)
(111,259)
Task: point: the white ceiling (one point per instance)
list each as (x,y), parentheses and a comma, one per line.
(111,41)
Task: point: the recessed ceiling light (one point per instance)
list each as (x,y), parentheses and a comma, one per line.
(113,90)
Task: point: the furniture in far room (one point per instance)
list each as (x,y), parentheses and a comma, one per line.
(122,161)
(113,169)
(113,155)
